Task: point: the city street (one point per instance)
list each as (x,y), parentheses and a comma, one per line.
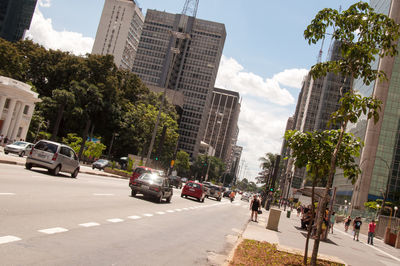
(93,220)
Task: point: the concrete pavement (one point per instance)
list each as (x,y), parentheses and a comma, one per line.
(340,246)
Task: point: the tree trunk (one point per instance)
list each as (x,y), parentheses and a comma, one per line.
(60,114)
(311,222)
(84,138)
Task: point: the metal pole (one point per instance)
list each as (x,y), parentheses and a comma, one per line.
(112,141)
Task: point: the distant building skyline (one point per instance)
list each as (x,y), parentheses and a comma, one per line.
(15,18)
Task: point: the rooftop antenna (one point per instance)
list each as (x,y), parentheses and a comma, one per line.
(190,8)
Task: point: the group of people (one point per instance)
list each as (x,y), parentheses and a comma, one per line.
(357,226)
(307,220)
(3,140)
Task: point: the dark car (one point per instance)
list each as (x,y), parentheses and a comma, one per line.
(176,181)
(152,185)
(194,190)
(100,164)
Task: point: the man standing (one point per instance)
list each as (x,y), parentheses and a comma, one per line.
(371,232)
(356,226)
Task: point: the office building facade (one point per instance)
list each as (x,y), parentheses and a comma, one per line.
(15,18)
(119,31)
(182,53)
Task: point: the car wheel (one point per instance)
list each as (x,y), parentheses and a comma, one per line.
(169,199)
(5,152)
(22,154)
(56,170)
(28,166)
(92,167)
(198,199)
(219,199)
(133,193)
(75,173)
(202,200)
(182,195)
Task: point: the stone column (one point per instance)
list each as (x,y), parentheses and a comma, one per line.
(12,124)
(18,117)
(29,115)
(2,103)
(7,122)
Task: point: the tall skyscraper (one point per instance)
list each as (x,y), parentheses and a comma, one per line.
(182,53)
(15,18)
(318,99)
(380,158)
(221,127)
(119,31)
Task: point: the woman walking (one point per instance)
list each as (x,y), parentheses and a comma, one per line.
(347,223)
(255,206)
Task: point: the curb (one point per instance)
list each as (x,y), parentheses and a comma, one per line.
(10,162)
(240,239)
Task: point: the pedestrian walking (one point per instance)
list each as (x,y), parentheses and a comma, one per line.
(5,140)
(332,221)
(1,138)
(371,232)
(255,206)
(347,223)
(356,226)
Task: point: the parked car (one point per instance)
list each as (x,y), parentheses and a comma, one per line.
(176,181)
(214,192)
(194,190)
(152,185)
(100,164)
(21,148)
(53,156)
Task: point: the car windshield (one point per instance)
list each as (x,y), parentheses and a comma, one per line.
(151,178)
(196,185)
(20,143)
(46,146)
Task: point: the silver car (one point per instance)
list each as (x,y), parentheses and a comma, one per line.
(53,156)
(21,148)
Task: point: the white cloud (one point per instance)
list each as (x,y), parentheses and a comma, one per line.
(266,106)
(42,32)
(44,3)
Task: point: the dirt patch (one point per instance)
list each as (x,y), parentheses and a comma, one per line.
(252,252)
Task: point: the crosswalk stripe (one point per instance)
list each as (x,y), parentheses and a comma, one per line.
(53,230)
(89,224)
(8,239)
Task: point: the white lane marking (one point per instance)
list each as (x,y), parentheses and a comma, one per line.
(161,213)
(377,249)
(148,214)
(89,224)
(8,239)
(134,217)
(54,230)
(115,220)
(6,194)
(103,194)
(178,210)
(185,209)
(170,211)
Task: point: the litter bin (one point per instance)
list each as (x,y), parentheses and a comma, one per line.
(288,213)
(273,219)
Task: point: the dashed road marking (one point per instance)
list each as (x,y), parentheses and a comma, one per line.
(148,214)
(178,210)
(8,239)
(134,217)
(170,211)
(7,194)
(185,209)
(115,220)
(89,224)
(54,230)
(160,213)
(103,194)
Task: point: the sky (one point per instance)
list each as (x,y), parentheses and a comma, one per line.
(265,56)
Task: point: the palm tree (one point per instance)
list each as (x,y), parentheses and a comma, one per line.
(267,165)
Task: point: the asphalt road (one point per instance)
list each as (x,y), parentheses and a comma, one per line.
(93,220)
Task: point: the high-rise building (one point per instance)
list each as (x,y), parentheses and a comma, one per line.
(221,127)
(380,157)
(182,53)
(237,154)
(119,31)
(318,99)
(15,18)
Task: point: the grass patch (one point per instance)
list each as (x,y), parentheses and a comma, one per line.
(252,252)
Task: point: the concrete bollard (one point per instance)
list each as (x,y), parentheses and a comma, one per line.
(387,235)
(273,219)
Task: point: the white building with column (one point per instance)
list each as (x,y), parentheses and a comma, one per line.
(17,103)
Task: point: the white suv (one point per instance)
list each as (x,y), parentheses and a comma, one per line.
(53,156)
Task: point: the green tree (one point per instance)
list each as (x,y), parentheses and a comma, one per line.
(213,164)
(267,165)
(182,164)
(363,35)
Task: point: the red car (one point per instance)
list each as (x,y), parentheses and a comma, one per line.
(138,171)
(194,190)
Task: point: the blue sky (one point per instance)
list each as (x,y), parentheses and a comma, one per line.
(264,58)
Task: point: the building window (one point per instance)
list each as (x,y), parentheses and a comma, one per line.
(26,109)
(7,104)
(19,132)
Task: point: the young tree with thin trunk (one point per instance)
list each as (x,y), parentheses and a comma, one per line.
(364,35)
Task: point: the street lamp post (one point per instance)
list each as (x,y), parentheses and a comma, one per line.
(395,211)
(112,142)
(377,211)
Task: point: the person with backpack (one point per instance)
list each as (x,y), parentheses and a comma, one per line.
(356,227)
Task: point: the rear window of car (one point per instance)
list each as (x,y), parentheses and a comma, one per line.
(151,178)
(20,143)
(46,146)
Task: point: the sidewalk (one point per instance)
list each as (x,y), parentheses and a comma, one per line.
(339,247)
(16,160)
